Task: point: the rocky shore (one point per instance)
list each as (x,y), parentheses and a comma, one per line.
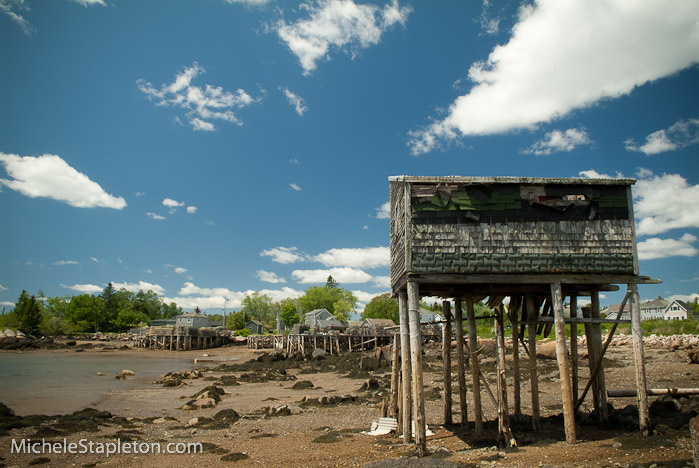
(274,409)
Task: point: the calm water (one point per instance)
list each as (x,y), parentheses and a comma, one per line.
(59,383)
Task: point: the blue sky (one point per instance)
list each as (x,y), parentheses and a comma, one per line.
(208,149)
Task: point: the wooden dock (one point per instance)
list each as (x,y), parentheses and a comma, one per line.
(332,344)
(179,342)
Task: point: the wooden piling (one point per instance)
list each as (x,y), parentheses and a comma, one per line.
(395,376)
(563,365)
(475,366)
(459,325)
(637,337)
(597,335)
(504,432)
(532,317)
(446,359)
(406,375)
(513,315)
(416,361)
(574,346)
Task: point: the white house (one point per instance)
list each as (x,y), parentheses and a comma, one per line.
(676,310)
(655,309)
(313,317)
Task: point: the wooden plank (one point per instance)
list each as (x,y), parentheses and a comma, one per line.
(563,365)
(653,392)
(496,278)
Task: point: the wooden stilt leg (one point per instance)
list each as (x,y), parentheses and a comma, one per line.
(459,329)
(504,432)
(532,317)
(416,361)
(600,382)
(395,376)
(513,314)
(637,336)
(563,365)
(574,346)
(475,366)
(406,375)
(446,359)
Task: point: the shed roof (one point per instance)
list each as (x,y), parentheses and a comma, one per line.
(509,180)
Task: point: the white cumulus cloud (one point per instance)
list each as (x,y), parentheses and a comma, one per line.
(295,100)
(338,24)
(150,214)
(84,288)
(12,8)
(284,255)
(565,55)
(681,134)
(66,262)
(269,277)
(343,275)
(87,3)
(654,248)
(663,203)
(295,187)
(191,209)
(558,141)
(49,176)
(140,286)
(367,257)
(201,104)
(384,211)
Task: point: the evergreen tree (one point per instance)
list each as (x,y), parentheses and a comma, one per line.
(28,312)
(111,305)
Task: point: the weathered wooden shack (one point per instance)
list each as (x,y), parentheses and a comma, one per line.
(532,240)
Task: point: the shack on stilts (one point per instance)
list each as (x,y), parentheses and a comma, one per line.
(535,241)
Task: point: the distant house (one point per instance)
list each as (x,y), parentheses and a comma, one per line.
(163,322)
(427,316)
(373,322)
(255,326)
(192,320)
(373,326)
(613,312)
(313,317)
(676,310)
(655,309)
(331,322)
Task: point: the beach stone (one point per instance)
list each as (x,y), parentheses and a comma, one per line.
(203,403)
(318,354)
(694,356)
(159,421)
(546,350)
(128,373)
(101,374)
(193,422)
(9,333)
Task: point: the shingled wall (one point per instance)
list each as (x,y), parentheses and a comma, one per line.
(462,225)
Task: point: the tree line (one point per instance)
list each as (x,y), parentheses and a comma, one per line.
(110,311)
